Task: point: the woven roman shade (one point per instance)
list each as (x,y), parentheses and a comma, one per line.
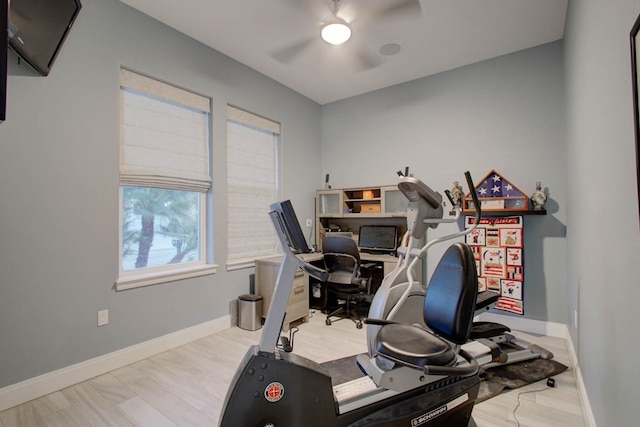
(163,135)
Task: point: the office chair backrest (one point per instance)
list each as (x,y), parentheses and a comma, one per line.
(341,259)
(451,296)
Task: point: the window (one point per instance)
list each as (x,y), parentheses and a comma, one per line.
(164,179)
(252,185)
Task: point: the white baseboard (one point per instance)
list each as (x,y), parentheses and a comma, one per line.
(42,385)
(558,330)
(590,421)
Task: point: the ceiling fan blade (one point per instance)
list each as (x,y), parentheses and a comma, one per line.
(366,61)
(289,53)
(402,9)
(318,9)
(407,7)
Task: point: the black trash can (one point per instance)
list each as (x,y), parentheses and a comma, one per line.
(250,312)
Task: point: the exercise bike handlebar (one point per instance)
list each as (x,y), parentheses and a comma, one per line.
(478,214)
(459,371)
(474,197)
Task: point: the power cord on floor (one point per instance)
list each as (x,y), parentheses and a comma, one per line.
(518,405)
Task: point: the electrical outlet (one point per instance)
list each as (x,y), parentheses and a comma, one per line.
(309,222)
(103,317)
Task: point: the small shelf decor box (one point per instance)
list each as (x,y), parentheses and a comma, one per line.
(370,208)
(496,193)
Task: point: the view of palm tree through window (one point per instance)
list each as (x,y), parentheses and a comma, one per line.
(159,227)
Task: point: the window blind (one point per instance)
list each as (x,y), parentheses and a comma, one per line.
(252,147)
(164,135)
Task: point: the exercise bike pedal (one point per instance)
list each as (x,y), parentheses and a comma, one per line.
(487,330)
(544,353)
(286,344)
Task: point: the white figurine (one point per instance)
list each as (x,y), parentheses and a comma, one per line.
(538,198)
(457,193)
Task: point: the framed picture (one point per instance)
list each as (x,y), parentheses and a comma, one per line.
(635,57)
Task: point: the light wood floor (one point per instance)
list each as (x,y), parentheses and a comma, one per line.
(186,386)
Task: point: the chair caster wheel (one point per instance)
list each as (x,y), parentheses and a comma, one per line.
(359,325)
(327,322)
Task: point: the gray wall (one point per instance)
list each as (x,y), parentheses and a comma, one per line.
(505,114)
(59,190)
(603,236)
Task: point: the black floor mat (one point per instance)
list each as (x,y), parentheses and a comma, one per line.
(494,380)
(515,375)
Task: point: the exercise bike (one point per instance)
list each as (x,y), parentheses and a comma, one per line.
(400,296)
(417,379)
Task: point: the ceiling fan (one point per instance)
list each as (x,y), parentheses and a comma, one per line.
(335,28)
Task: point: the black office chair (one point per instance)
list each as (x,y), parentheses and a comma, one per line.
(448,311)
(342,261)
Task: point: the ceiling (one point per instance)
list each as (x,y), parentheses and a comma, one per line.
(281,38)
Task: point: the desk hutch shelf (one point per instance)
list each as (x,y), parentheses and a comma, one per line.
(346,209)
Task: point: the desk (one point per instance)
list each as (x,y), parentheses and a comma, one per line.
(298,304)
(389,262)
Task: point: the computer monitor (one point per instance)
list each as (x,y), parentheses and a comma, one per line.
(378,238)
(292,230)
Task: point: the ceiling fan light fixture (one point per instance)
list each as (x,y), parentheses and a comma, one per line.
(336,33)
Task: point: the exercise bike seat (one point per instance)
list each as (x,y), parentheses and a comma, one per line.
(413,346)
(448,311)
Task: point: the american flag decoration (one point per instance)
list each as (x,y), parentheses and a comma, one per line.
(496,193)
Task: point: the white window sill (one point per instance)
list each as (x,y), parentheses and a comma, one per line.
(147,279)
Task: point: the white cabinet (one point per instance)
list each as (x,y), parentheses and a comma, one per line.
(394,203)
(386,201)
(329,203)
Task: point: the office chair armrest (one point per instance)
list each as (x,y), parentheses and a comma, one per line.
(370,265)
(342,255)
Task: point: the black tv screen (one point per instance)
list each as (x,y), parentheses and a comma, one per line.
(4,12)
(38,28)
(378,238)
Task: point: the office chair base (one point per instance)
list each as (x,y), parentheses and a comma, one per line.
(350,313)
(358,323)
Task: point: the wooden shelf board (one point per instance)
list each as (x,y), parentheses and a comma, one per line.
(507,212)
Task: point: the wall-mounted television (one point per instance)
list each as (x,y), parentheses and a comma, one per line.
(4,19)
(378,238)
(38,29)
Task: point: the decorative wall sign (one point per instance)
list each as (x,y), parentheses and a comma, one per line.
(498,248)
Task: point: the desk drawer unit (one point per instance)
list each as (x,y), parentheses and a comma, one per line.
(298,304)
